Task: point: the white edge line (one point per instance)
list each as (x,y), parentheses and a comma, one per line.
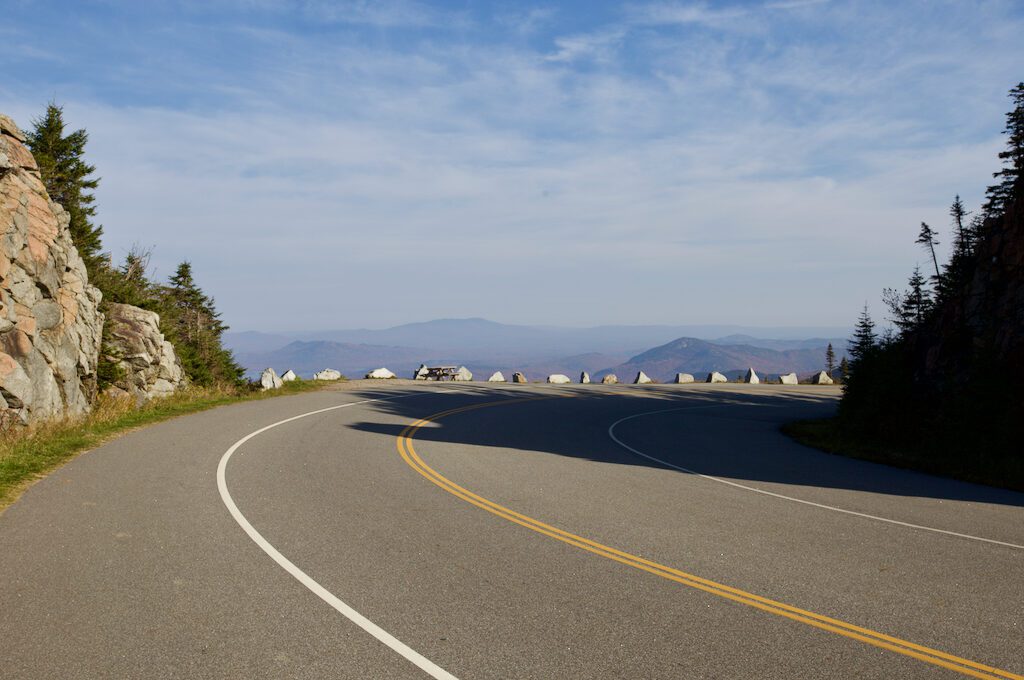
(396,645)
(611,433)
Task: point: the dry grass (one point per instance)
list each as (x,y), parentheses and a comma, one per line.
(27,453)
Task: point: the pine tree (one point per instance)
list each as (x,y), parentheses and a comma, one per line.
(830,359)
(194,326)
(844,369)
(928,239)
(963,240)
(864,338)
(68,180)
(1011,187)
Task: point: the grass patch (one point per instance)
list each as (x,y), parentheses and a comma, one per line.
(829,435)
(27,453)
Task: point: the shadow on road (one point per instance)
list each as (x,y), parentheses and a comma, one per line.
(721,433)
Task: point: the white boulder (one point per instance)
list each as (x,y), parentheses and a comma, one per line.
(584,378)
(463,374)
(716,377)
(751,377)
(327,374)
(421,373)
(289,376)
(497,377)
(269,380)
(789,379)
(380,374)
(559,379)
(610,379)
(642,379)
(683,378)
(821,378)
(518,377)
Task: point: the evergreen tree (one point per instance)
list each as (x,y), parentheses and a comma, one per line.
(928,239)
(964,239)
(68,179)
(844,369)
(830,359)
(194,326)
(864,338)
(1011,186)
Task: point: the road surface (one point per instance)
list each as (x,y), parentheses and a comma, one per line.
(404,530)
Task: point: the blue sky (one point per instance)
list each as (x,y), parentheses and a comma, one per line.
(340,164)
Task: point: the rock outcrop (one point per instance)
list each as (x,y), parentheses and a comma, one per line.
(821,378)
(50,324)
(683,378)
(559,379)
(269,380)
(146,363)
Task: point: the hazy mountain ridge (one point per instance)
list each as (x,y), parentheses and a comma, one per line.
(485,346)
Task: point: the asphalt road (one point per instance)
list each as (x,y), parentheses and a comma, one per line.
(532,532)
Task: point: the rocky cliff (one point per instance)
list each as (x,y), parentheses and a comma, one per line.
(147,365)
(50,323)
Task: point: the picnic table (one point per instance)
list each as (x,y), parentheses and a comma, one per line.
(438,373)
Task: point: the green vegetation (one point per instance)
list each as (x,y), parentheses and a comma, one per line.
(941,391)
(28,453)
(188,317)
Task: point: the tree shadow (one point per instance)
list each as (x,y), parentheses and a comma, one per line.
(716,432)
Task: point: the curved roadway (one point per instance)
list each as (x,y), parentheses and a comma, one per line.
(526,532)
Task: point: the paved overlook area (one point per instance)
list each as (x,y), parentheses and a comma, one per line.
(530,531)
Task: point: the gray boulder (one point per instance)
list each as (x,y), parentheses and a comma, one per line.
(716,377)
(789,379)
(642,379)
(269,380)
(821,378)
(327,374)
(683,378)
(518,377)
(558,379)
(610,379)
(496,377)
(751,377)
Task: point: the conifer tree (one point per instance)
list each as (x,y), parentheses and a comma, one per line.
(830,359)
(927,238)
(192,321)
(864,338)
(68,179)
(1011,186)
(844,369)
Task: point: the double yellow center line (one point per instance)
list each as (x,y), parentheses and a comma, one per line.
(849,630)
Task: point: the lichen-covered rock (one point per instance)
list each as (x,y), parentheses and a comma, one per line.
(50,324)
(610,379)
(146,363)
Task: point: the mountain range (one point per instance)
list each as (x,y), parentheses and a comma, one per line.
(486,346)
